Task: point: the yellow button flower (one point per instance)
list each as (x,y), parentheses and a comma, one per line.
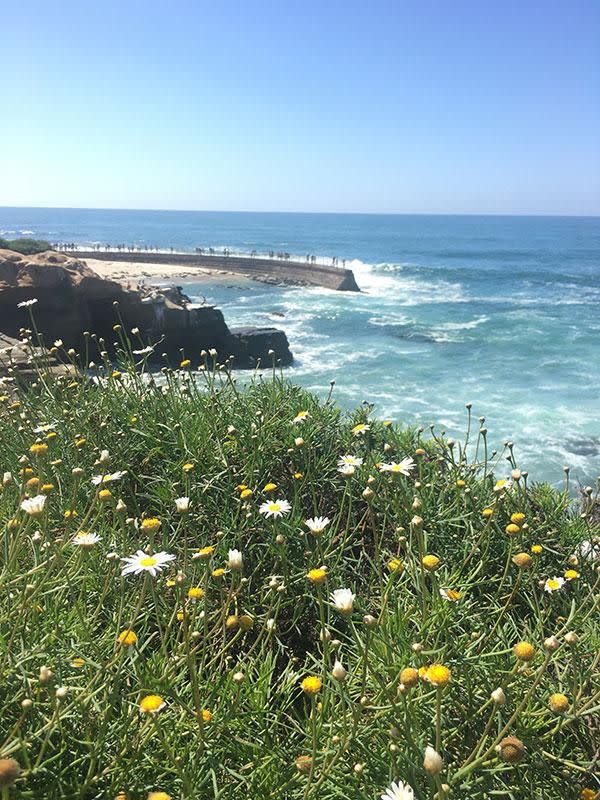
(152,704)
(395,565)
(559,703)
(127,638)
(150,524)
(524,651)
(409,677)
(438,675)
(311,685)
(430,562)
(317,576)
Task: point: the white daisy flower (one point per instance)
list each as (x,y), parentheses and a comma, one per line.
(275,508)
(142,562)
(343,600)
(85,539)
(45,428)
(398,791)
(450,594)
(351,461)
(554,584)
(34,506)
(182,505)
(360,429)
(317,524)
(108,478)
(403,468)
(347,470)
(27,303)
(300,417)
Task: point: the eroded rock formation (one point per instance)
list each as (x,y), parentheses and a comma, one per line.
(72,299)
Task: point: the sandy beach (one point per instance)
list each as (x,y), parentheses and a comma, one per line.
(133,273)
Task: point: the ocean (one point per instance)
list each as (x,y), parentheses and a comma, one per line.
(500,312)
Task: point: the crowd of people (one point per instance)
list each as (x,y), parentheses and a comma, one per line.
(201,251)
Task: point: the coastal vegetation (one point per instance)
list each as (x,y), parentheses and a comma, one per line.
(212,590)
(25,246)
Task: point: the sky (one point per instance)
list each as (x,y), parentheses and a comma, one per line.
(387,106)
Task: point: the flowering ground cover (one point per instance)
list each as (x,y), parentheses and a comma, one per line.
(211,590)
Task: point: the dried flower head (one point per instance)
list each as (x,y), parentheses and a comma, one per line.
(511,749)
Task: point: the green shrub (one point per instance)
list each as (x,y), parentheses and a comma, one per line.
(229,657)
(25,246)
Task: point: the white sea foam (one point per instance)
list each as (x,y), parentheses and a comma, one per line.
(462,326)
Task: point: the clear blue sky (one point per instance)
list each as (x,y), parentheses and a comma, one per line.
(441,106)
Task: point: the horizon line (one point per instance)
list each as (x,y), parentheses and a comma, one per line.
(307,213)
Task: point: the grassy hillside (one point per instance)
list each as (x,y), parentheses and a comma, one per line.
(453,664)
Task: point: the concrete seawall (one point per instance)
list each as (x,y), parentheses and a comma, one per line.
(268,270)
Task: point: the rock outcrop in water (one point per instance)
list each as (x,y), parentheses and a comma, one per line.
(73,299)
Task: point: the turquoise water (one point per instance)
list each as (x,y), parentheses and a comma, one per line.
(502,312)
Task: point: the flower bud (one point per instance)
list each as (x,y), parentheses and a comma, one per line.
(235,560)
(9,772)
(432,762)
(338,671)
(498,696)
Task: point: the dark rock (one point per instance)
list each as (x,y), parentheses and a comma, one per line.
(255,342)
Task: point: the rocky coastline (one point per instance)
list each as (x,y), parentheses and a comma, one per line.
(78,307)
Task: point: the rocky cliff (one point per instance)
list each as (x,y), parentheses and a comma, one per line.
(72,298)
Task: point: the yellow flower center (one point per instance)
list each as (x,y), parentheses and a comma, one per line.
(438,674)
(452,594)
(311,685)
(151,703)
(316,575)
(127,638)
(149,561)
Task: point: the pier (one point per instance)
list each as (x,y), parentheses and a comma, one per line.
(266,269)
